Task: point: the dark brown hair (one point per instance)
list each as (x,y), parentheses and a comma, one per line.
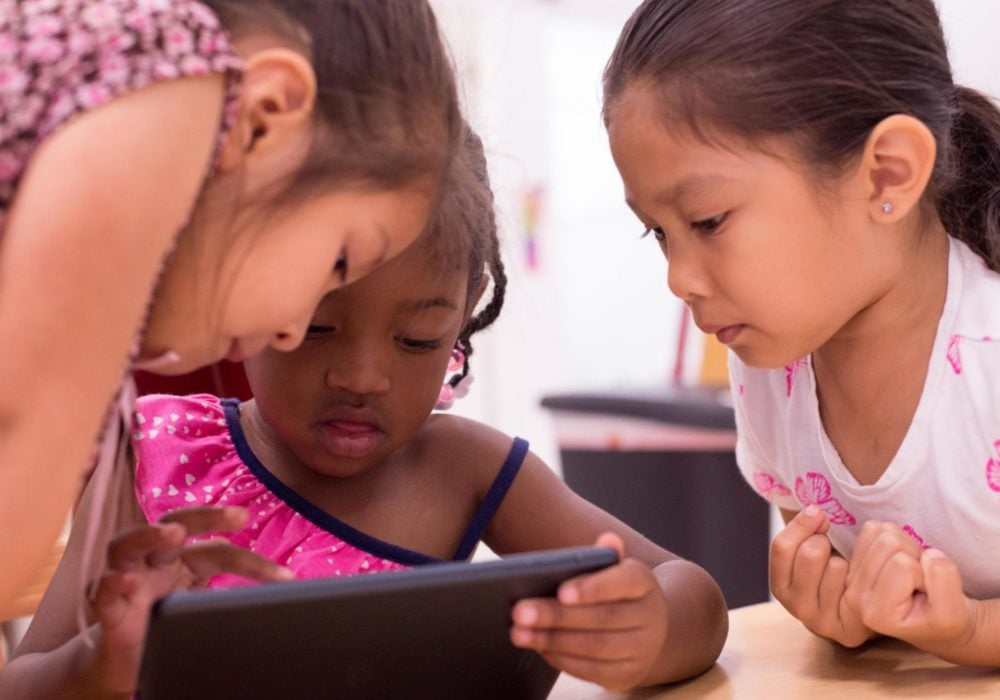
(822,73)
(387,108)
(462,235)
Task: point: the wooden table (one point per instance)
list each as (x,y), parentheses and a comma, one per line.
(769,654)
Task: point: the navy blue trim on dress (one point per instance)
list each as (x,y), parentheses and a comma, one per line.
(309,510)
(494,497)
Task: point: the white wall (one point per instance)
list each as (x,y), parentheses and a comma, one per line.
(597,312)
(971,27)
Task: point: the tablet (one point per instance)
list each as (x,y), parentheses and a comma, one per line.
(438,631)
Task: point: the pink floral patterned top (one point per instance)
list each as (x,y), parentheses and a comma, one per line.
(60,58)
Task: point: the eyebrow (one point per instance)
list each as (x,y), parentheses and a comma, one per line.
(694,184)
(415,305)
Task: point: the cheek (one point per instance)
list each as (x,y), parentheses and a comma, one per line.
(420,383)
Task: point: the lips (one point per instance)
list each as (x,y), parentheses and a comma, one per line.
(724,334)
(728,334)
(350,432)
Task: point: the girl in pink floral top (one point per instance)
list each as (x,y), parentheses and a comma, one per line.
(232,156)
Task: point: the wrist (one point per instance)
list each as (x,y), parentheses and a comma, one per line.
(978,643)
(96,669)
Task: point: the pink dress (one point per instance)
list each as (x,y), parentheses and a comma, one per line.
(192,451)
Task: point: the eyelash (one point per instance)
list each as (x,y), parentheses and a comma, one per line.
(710,225)
(408,344)
(418,346)
(314,331)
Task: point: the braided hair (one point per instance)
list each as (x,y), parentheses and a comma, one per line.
(463,233)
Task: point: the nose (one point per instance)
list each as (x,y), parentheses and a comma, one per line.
(686,275)
(290,336)
(357,369)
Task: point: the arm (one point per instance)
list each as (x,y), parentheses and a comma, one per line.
(144,562)
(52,660)
(94,217)
(663,618)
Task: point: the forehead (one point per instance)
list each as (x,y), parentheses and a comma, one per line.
(663,161)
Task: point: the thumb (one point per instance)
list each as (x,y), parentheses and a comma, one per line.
(943,584)
(811,520)
(610,539)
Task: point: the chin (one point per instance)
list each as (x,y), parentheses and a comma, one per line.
(758,358)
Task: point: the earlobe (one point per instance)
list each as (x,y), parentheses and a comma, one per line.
(898,163)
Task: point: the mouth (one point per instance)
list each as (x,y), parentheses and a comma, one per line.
(350,433)
(724,334)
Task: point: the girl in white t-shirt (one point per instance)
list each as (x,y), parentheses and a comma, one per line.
(829,201)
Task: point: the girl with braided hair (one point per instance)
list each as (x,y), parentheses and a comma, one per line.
(344,468)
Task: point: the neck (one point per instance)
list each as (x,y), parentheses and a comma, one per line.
(263,442)
(893,336)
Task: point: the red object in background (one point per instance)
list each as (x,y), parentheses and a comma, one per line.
(225,379)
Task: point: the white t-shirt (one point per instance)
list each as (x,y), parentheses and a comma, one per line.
(943,485)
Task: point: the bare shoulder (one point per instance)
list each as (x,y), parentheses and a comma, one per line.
(461,445)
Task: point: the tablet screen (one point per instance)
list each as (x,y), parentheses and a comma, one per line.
(438,631)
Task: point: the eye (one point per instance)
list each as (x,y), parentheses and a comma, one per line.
(418,346)
(658,233)
(340,267)
(710,225)
(318,331)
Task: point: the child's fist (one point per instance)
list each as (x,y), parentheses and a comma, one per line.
(810,579)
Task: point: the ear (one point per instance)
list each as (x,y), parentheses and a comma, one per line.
(897,164)
(277,100)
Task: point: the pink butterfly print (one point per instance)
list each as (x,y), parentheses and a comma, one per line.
(769,487)
(815,490)
(993,469)
(790,372)
(908,529)
(954,358)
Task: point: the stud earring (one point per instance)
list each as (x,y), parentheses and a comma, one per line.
(888,208)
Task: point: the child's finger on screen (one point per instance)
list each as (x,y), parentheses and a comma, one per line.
(144,545)
(216,556)
(202,519)
(628,580)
